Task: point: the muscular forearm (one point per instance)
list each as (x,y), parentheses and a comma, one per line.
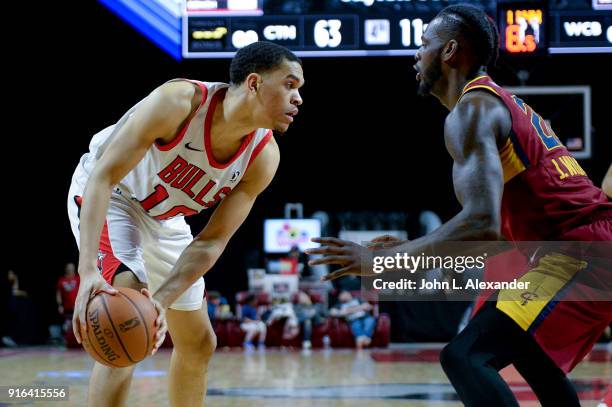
(93,214)
(193,263)
(460,228)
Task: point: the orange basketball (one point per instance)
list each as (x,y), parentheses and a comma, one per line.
(120,328)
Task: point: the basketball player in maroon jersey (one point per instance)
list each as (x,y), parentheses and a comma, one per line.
(515,180)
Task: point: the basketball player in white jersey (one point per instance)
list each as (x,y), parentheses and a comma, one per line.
(186,147)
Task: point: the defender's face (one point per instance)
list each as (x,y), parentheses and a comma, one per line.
(429,61)
(279,95)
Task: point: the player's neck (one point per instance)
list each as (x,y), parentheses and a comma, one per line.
(231,122)
(455,83)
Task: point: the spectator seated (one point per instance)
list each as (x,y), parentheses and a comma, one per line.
(374,333)
(310,320)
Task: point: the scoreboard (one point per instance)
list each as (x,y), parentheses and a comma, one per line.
(213,29)
(217,28)
(311,28)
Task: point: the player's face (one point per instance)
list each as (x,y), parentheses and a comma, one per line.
(279,95)
(429,61)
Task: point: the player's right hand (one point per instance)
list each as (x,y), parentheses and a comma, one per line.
(89,286)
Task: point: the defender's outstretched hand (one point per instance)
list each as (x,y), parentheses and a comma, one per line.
(347,254)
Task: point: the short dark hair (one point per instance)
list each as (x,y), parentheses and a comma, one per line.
(258,57)
(476,27)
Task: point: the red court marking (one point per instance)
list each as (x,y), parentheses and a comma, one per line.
(433,355)
(420,355)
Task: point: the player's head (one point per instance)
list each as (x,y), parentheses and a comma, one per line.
(69,270)
(461,37)
(271,75)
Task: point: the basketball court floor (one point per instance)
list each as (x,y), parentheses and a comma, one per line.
(406,375)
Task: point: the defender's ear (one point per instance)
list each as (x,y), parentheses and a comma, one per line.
(449,53)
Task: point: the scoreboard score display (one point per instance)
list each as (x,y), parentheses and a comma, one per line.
(212,29)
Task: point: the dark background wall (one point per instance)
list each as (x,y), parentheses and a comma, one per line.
(363,140)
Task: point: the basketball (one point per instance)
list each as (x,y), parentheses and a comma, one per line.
(120,328)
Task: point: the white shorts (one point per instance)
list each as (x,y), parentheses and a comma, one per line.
(146,246)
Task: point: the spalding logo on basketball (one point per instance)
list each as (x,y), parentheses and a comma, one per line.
(104,349)
(120,328)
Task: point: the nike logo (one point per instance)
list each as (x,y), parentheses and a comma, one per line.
(191,148)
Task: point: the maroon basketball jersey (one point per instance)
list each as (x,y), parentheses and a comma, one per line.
(546,192)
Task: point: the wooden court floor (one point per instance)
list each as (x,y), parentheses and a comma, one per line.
(400,376)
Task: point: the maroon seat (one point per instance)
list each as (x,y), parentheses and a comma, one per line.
(228,331)
(340,334)
(275,335)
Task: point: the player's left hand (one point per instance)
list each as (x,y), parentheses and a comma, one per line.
(160,322)
(353,258)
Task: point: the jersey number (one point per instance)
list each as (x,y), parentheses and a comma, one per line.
(546,134)
(160,195)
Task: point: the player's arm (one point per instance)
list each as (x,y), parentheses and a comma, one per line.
(158,116)
(203,252)
(472,133)
(606,185)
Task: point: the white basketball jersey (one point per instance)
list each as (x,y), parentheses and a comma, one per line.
(182,178)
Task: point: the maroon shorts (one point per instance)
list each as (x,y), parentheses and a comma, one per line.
(570,323)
